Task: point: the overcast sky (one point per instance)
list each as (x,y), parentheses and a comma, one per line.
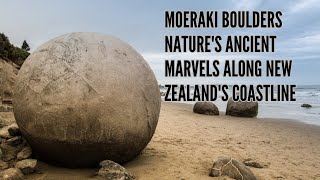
(141,24)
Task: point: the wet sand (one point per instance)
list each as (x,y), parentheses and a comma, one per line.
(186,144)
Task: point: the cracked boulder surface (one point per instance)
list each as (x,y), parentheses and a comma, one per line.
(85,97)
(226,166)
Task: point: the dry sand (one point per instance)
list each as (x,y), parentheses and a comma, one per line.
(186,144)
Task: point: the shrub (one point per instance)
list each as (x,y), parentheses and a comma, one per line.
(12,53)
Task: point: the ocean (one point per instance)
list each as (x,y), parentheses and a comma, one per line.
(305,94)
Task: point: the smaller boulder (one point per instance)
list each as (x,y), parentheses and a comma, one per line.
(112,171)
(242,109)
(11,174)
(27,166)
(226,166)
(207,108)
(10,152)
(252,163)
(25,153)
(306,106)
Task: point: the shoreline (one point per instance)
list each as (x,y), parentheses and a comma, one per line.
(186,144)
(222,105)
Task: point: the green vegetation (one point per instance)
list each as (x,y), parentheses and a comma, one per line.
(25,46)
(12,53)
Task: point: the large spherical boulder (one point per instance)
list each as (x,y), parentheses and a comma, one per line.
(85,97)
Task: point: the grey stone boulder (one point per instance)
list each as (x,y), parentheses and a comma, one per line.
(242,109)
(226,166)
(27,166)
(11,174)
(207,108)
(25,153)
(9,151)
(306,106)
(112,171)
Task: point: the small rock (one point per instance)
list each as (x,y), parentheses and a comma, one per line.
(252,163)
(3,165)
(226,166)
(25,153)
(15,141)
(112,171)
(207,108)
(27,166)
(11,174)
(4,133)
(14,131)
(8,157)
(306,106)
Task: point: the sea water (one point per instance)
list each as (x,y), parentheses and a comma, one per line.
(305,94)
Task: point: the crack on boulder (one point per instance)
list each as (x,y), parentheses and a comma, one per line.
(237,169)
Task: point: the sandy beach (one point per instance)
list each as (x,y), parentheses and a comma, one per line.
(186,144)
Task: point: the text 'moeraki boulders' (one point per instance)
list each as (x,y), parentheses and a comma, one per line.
(85,97)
